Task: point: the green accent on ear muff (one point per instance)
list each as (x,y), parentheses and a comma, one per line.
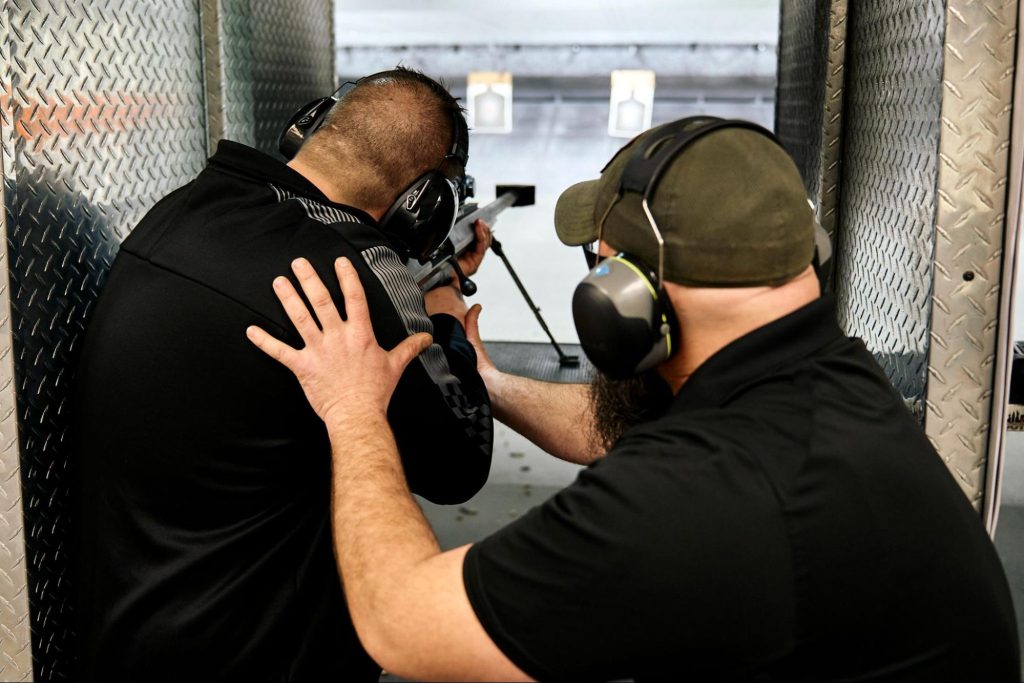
(624,321)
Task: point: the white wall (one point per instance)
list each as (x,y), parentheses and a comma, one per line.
(361,23)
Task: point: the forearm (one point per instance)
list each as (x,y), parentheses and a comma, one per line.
(380,534)
(405,597)
(556,417)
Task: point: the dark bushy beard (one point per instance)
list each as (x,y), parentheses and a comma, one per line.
(619,404)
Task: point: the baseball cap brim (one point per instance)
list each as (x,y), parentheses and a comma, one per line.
(574,214)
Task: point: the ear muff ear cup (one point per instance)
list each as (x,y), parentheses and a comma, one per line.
(624,320)
(302,124)
(422,216)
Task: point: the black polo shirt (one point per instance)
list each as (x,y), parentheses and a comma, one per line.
(206,547)
(786,519)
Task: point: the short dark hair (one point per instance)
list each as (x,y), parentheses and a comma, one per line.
(399,123)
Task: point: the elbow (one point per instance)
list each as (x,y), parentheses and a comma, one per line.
(375,641)
(383,641)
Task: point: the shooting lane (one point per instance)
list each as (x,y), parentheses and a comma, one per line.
(709,57)
(899,115)
(106,107)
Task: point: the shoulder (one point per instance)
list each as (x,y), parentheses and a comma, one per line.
(679,466)
(233,236)
(689,438)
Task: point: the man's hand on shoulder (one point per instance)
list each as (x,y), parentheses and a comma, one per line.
(345,374)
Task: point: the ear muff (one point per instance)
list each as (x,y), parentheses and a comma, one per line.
(302,124)
(422,216)
(624,320)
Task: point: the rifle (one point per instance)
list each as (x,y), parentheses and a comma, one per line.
(446,259)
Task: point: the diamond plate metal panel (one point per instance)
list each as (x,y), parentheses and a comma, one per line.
(105,108)
(809,100)
(980,47)
(890,163)
(15,634)
(831,152)
(264,59)
(1003,410)
(799,102)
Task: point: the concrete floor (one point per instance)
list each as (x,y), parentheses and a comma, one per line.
(522,476)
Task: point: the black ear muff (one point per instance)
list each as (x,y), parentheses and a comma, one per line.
(308,119)
(302,124)
(422,216)
(624,321)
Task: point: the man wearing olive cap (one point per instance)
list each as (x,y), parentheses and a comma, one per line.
(760,505)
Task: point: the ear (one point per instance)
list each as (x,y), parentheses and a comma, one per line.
(605,249)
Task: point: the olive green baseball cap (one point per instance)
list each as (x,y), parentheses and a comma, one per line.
(731,207)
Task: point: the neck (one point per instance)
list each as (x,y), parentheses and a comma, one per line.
(332,185)
(710,319)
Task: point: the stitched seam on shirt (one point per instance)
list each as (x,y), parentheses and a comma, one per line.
(404,295)
(805,374)
(328,215)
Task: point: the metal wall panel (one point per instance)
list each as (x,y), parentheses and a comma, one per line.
(1002,412)
(799,103)
(890,164)
(827,195)
(977,99)
(104,118)
(15,633)
(264,59)
(809,103)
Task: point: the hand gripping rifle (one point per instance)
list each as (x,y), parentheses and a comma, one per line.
(446,260)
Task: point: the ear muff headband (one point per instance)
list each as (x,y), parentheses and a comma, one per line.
(308,119)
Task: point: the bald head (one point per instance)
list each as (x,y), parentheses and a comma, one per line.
(389,130)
